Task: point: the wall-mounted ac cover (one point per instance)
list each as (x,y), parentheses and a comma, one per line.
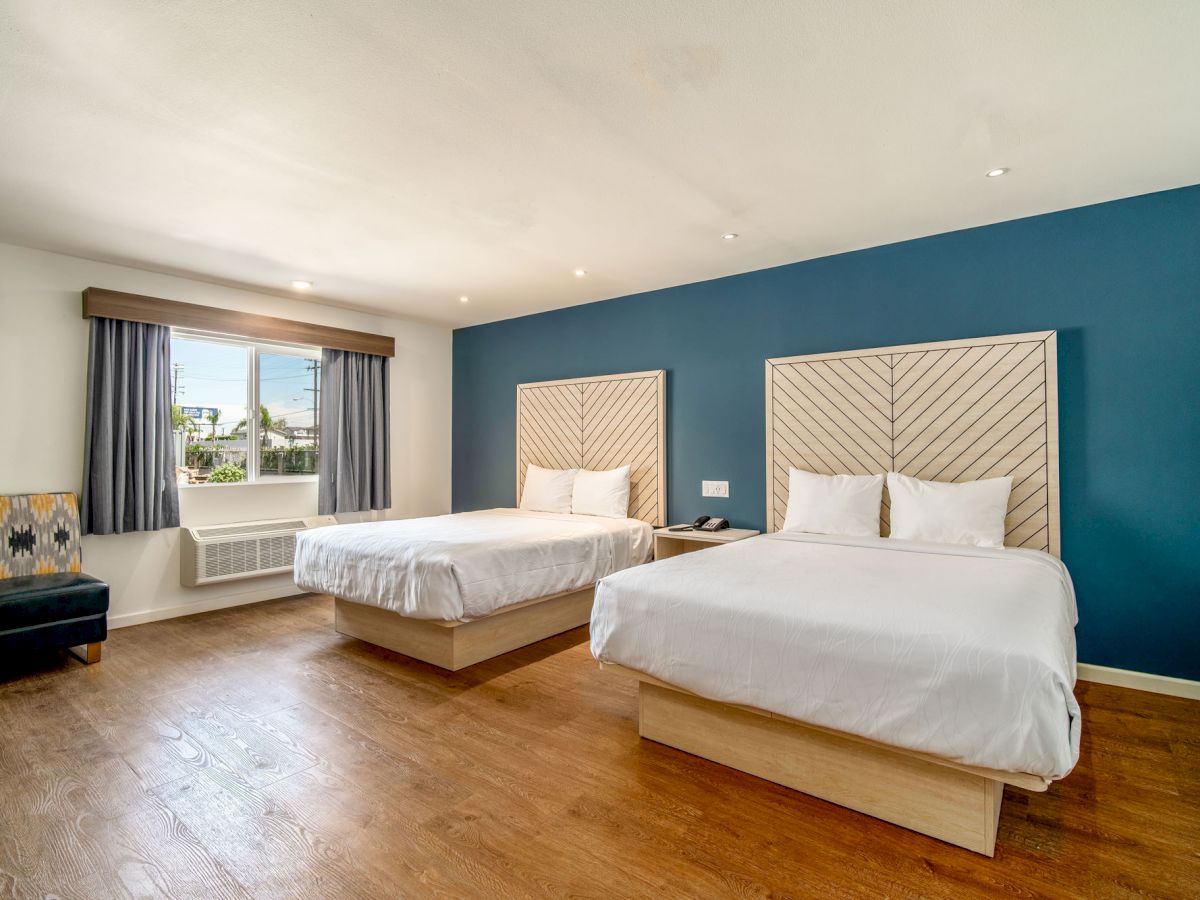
(215,553)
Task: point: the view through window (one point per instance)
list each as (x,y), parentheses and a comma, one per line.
(215,381)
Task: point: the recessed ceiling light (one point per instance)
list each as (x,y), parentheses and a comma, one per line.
(464,299)
(996,173)
(729,235)
(302,285)
(580,273)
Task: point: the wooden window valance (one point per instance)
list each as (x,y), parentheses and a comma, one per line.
(151,310)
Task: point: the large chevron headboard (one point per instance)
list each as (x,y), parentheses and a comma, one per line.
(950,411)
(599,423)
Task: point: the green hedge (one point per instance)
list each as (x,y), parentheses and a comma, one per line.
(206,456)
(271,461)
(227,474)
(287,461)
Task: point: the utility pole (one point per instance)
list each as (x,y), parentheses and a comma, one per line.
(315,367)
(175,370)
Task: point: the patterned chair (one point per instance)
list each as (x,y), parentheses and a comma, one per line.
(46,602)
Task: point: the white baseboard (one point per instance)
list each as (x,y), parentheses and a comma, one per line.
(1140,681)
(190,609)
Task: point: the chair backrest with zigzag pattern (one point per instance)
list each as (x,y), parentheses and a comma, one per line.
(39,534)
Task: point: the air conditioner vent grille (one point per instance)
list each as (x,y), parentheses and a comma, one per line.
(240,557)
(241,549)
(250,528)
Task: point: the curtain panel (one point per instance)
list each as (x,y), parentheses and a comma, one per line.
(128,453)
(355,465)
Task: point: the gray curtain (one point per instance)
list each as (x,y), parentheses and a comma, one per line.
(128,454)
(355,470)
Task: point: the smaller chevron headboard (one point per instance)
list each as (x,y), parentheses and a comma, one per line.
(948,411)
(599,423)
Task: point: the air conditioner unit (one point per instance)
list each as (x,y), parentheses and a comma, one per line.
(238,550)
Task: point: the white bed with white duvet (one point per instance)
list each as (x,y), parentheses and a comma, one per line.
(457,589)
(906,654)
(468,565)
(909,680)
(964,653)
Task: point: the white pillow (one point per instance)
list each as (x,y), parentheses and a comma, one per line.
(833,504)
(971,512)
(601,493)
(548,490)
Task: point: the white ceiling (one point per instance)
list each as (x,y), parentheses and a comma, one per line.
(402,154)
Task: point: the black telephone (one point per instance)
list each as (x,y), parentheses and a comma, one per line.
(704,523)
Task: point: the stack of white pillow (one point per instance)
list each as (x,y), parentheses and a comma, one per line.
(971,512)
(578,491)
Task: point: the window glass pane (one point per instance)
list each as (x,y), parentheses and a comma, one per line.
(288,389)
(208,390)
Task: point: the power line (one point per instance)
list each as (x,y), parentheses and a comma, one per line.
(295,376)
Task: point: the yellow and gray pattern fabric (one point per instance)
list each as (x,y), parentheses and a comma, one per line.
(39,534)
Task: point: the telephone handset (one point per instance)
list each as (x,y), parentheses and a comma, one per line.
(704,523)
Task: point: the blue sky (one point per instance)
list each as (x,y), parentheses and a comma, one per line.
(214,375)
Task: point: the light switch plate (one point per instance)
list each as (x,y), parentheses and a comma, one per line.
(714,488)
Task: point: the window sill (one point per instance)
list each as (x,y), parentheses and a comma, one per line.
(277,479)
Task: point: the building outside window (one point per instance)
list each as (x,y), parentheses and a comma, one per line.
(215,380)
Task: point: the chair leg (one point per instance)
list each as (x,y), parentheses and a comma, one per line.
(90,654)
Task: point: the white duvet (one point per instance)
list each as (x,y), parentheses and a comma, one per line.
(466,565)
(961,652)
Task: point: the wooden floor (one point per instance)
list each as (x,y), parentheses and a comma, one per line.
(254,752)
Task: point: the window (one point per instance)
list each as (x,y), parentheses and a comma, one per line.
(214,381)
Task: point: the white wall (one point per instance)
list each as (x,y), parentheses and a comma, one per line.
(43,357)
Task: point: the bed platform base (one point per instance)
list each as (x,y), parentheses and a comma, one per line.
(456,645)
(952,802)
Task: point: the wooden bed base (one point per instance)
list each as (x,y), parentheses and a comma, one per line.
(455,645)
(955,803)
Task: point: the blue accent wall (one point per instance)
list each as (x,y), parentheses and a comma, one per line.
(1119,281)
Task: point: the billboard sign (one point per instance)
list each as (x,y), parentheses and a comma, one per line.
(200,412)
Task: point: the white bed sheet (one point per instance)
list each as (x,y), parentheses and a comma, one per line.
(962,652)
(466,565)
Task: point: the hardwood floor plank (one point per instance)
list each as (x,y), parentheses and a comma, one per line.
(155,750)
(255,752)
(388,845)
(271,848)
(513,844)
(153,854)
(244,743)
(50,820)
(409,787)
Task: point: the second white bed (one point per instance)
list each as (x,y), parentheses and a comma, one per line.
(465,566)
(960,652)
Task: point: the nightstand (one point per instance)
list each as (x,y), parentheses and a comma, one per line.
(671,543)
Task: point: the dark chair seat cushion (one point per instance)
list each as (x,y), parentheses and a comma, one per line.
(31,600)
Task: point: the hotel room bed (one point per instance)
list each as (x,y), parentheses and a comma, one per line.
(963,653)
(467,565)
(457,589)
(910,681)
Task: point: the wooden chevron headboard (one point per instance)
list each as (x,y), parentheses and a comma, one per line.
(599,423)
(949,411)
